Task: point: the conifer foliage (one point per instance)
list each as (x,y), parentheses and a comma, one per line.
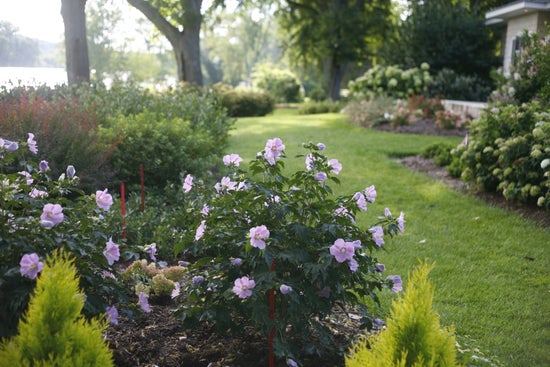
(413,337)
(53,332)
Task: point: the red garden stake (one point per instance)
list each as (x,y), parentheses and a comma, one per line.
(142,184)
(272,317)
(123,209)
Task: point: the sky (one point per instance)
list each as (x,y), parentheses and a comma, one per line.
(40,19)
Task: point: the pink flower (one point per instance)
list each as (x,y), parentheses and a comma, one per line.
(111,252)
(401,222)
(342,250)
(28,177)
(353,265)
(309,162)
(111,314)
(103,199)
(35,193)
(70,172)
(361,201)
(258,235)
(187,184)
(151,250)
(397,283)
(197,279)
(204,210)
(232,159)
(11,146)
(52,214)
(370,194)
(143,302)
(377,233)
(285,289)
(200,230)
(321,176)
(32,144)
(243,287)
(30,265)
(273,149)
(225,185)
(387,212)
(237,262)
(321,146)
(335,165)
(43,166)
(176,291)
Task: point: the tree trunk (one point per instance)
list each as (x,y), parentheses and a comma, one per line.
(333,75)
(76,43)
(185,43)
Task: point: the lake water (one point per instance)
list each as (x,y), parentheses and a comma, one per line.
(13,76)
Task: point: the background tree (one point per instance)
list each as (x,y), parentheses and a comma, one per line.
(180,22)
(76,45)
(16,50)
(445,35)
(333,34)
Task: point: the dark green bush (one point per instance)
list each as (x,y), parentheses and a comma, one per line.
(440,152)
(450,85)
(164,146)
(282,84)
(244,103)
(326,106)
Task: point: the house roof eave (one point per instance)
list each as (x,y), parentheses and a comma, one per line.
(514,9)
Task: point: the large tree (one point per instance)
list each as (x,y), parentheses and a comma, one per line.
(333,34)
(76,45)
(180,22)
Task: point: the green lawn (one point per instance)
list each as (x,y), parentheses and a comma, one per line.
(492,273)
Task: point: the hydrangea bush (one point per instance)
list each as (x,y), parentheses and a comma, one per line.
(281,252)
(41,214)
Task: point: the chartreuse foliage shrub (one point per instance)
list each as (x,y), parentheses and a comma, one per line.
(53,331)
(413,337)
(392,81)
(40,214)
(264,231)
(315,107)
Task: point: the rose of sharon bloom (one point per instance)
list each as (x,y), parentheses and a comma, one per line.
(32,143)
(353,265)
(377,233)
(143,302)
(225,185)
(103,199)
(30,265)
(28,177)
(232,159)
(258,235)
(342,250)
(52,214)
(151,250)
(35,193)
(200,230)
(335,165)
(285,289)
(401,222)
(273,149)
(243,287)
(321,146)
(291,363)
(236,262)
(197,279)
(361,201)
(397,283)
(70,171)
(111,314)
(321,176)
(111,252)
(187,184)
(370,194)
(43,166)
(176,291)
(10,146)
(380,267)
(309,162)
(387,212)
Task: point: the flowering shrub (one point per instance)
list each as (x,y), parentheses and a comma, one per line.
(40,215)
(392,81)
(281,252)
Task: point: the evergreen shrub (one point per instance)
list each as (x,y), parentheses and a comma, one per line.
(413,337)
(244,102)
(53,331)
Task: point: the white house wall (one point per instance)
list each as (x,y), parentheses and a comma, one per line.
(516,27)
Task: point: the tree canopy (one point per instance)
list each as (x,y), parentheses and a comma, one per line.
(16,50)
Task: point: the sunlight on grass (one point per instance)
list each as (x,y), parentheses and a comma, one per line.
(491,275)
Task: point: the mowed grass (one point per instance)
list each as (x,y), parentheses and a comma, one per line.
(492,273)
